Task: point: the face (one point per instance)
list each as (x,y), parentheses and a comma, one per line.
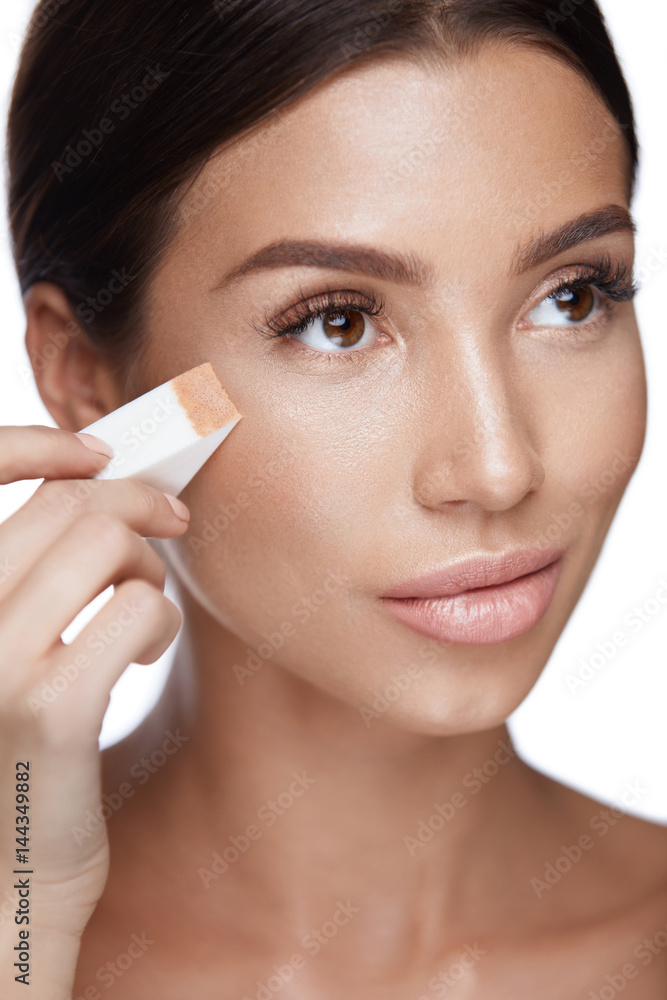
(414,420)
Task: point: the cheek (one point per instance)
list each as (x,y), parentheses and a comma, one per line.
(289,501)
(599,428)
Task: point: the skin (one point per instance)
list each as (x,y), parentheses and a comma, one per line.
(462,430)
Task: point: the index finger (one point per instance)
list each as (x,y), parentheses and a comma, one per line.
(35,451)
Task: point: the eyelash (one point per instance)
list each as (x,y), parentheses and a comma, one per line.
(301,315)
(614,281)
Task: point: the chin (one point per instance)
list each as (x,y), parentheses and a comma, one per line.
(446,699)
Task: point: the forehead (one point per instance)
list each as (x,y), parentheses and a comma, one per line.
(500,143)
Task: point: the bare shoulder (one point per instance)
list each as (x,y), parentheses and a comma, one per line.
(625,848)
(618,862)
(594,912)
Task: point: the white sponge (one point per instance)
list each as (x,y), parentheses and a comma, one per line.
(164,437)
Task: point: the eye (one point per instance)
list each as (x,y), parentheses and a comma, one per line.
(335,322)
(569,304)
(347,329)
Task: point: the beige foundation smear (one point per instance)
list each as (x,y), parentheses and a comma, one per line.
(165,436)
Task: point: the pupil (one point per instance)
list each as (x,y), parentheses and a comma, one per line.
(578,302)
(344,329)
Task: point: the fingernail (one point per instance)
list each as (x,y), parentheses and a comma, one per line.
(95,444)
(179,508)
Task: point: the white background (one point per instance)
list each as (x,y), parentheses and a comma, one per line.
(612,730)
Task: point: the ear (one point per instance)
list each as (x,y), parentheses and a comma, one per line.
(76,382)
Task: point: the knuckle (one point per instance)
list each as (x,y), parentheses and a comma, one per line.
(143,595)
(62,499)
(104,531)
(49,497)
(146,496)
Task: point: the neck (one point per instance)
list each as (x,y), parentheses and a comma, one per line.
(282,792)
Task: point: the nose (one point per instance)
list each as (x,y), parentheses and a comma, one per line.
(479,444)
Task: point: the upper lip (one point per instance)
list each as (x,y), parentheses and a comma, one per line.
(484,570)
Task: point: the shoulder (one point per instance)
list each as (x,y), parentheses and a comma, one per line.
(613,869)
(626,850)
(594,920)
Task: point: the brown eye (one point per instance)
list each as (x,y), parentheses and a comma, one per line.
(577,302)
(344,328)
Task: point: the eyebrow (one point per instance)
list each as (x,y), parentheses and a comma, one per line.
(390,265)
(407,268)
(589,226)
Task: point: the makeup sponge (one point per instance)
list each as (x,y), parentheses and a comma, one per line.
(164,437)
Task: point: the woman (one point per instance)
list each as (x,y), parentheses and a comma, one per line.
(400,232)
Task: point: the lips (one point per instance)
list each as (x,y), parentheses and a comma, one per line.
(483,600)
(480,571)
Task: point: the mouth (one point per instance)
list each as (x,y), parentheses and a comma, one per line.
(481,601)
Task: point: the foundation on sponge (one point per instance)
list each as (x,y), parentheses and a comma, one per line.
(166,435)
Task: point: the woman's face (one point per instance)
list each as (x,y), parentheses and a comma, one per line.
(472,415)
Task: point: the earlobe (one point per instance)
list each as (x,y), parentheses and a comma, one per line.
(72,376)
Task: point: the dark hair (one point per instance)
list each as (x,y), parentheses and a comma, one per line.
(118,104)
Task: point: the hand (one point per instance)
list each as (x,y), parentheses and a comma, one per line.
(73,538)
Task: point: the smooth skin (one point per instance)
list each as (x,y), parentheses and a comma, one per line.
(460,427)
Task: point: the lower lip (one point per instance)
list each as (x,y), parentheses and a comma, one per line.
(482,616)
